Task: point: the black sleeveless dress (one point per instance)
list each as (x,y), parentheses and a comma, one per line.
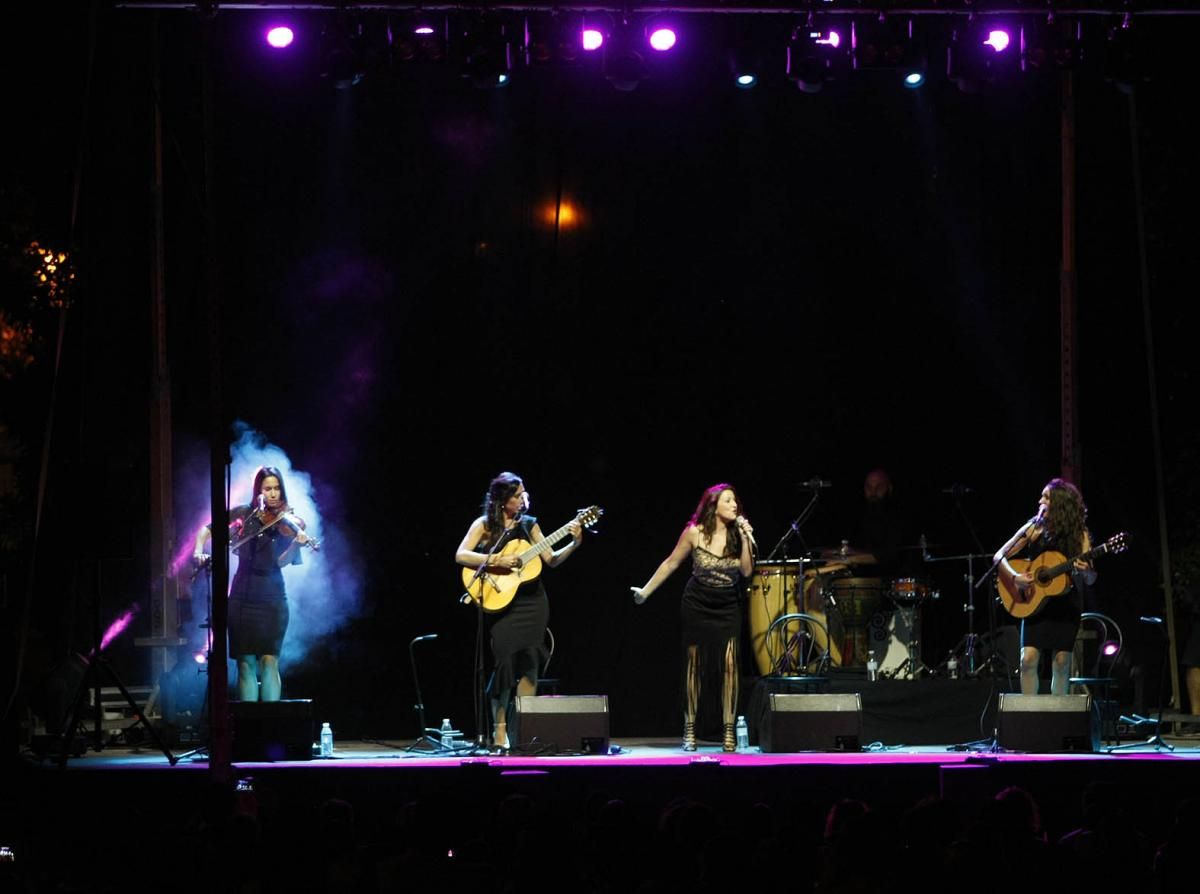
(1055,626)
(258,607)
(518,633)
(711,615)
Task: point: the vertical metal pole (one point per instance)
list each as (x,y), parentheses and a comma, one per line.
(1068,285)
(219,747)
(1139,210)
(163,588)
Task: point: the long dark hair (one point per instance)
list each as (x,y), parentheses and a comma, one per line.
(705,518)
(1066,516)
(499,492)
(262,475)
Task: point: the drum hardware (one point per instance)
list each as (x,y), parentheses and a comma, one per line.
(810,658)
(970,642)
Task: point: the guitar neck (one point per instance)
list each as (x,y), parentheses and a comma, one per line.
(1064,567)
(546,543)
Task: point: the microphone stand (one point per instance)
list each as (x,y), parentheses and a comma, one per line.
(794,527)
(1156,741)
(425,741)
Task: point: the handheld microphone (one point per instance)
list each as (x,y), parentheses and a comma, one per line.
(816,483)
(741,523)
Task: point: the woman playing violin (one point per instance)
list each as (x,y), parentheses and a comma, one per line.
(265,536)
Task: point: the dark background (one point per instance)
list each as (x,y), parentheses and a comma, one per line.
(763,286)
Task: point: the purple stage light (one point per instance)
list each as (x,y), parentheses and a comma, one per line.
(998,40)
(280,36)
(827,39)
(422,30)
(1111,648)
(591,39)
(662,39)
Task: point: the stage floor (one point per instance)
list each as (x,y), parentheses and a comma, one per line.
(636,752)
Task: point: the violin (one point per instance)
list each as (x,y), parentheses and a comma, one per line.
(282,519)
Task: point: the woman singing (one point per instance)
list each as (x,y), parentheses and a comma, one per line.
(265,536)
(1060,525)
(517,632)
(719,540)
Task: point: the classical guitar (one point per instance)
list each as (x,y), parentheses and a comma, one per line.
(497,586)
(1051,575)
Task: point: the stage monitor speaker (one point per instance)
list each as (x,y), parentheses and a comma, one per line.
(272,731)
(1046,723)
(562,723)
(828,721)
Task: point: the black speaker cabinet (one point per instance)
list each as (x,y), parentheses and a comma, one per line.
(562,723)
(272,731)
(1046,723)
(825,721)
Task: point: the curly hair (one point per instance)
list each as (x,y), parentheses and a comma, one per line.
(1066,517)
(499,492)
(705,517)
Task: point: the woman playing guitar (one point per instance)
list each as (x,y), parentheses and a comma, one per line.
(518,633)
(1060,525)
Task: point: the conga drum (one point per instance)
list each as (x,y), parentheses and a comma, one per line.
(772,595)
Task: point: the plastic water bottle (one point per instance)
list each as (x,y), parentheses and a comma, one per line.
(872,666)
(447,733)
(743,734)
(952,667)
(326,740)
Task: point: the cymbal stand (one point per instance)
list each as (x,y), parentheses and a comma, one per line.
(970,643)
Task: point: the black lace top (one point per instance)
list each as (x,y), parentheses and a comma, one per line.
(715,571)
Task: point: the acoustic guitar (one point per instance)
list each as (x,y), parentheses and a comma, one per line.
(1051,575)
(496,587)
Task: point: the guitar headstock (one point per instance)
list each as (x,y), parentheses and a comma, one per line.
(589,516)
(1117,543)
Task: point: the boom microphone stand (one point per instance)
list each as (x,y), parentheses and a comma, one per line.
(426,742)
(1156,741)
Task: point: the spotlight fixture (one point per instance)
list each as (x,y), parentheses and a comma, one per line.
(343,58)
(661,34)
(1051,44)
(1126,61)
(744,67)
(982,50)
(888,44)
(280,36)
(817,54)
(624,66)
(488,61)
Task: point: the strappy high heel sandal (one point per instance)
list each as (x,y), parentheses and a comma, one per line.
(729,743)
(500,737)
(689,735)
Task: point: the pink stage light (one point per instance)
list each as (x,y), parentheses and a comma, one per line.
(998,40)
(280,36)
(591,39)
(832,39)
(662,39)
(422,30)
